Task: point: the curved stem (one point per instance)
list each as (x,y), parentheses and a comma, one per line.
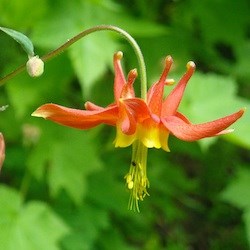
(11,75)
(128,37)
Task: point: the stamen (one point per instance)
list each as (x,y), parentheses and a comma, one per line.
(136,180)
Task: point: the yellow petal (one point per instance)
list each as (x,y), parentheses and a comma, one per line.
(122,140)
(153,135)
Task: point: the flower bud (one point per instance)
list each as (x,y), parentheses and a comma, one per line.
(2,150)
(35,66)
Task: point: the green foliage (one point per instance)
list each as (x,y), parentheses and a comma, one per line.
(212,87)
(64,189)
(20,38)
(29,225)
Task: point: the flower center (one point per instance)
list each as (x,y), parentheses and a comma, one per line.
(136,179)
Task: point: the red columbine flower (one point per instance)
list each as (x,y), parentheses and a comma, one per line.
(145,125)
(124,113)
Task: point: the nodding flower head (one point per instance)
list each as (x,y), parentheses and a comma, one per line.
(144,124)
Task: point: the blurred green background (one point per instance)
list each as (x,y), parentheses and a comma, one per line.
(62,188)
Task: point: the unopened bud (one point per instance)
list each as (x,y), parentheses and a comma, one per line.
(35,66)
(2,150)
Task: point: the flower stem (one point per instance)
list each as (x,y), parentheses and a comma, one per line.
(127,36)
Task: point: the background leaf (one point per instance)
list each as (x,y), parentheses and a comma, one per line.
(20,38)
(28,226)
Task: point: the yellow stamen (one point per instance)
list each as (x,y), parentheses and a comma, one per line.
(136,180)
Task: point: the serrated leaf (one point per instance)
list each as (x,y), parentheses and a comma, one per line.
(209,97)
(84,231)
(90,58)
(73,159)
(28,226)
(22,39)
(71,155)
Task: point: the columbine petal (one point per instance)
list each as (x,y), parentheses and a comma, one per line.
(155,93)
(138,108)
(132,111)
(122,140)
(171,103)
(153,135)
(191,132)
(82,119)
(126,121)
(92,107)
(120,80)
(128,89)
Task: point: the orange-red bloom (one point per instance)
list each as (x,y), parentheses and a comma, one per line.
(125,113)
(143,123)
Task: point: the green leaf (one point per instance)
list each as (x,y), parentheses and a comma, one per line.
(23,40)
(23,14)
(73,159)
(211,13)
(28,226)
(90,58)
(237,192)
(71,155)
(209,97)
(84,231)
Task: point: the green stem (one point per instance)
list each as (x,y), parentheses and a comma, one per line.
(128,37)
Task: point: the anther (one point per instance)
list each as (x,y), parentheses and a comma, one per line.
(130,185)
(128,178)
(118,55)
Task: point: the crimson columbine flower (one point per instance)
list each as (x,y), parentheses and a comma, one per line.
(143,124)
